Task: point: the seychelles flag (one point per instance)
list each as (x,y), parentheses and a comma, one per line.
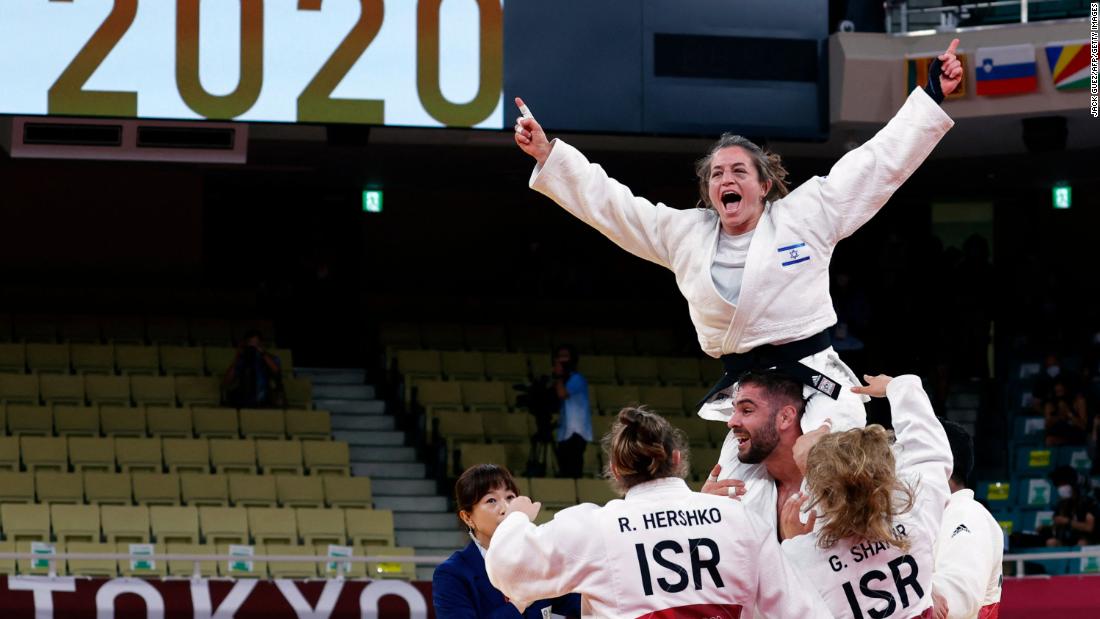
(1008,70)
(1069,64)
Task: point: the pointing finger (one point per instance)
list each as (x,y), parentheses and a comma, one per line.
(954,45)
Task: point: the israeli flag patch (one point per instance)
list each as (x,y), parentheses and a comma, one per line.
(793,254)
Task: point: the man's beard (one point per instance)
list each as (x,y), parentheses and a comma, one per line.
(762,443)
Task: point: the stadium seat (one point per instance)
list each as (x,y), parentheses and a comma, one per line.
(61,389)
(717,431)
(300,490)
(326,457)
(146,569)
(554,493)
(93,359)
(7,566)
(182,360)
(390,569)
(272,525)
(223,525)
(503,427)
(601,425)
(1037,493)
(369,527)
(484,396)
(131,359)
(233,455)
(517,455)
(347,491)
(123,329)
(48,358)
(26,568)
(437,395)
(546,514)
(1075,457)
(156,488)
(299,392)
(16,487)
(25,523)
(120,421)
(637,370)
(442,336)
(92,453)
(394,335)
(613,341)
(102,488)
(217,359)
(253,490)
(97,568)
(75,523)
(204,489)
(288,569)
(267,424)
(668,401)
(419,364)
(198,391)
(104,390)
(174,524)
(9,453)
(279,457)
(477,453)
(58,487)
(308,424)
(169,421)
(125,524)
(696,429)
(509,367)
(167,329)
(593,466)
(44,453)
(18,388)
(153,390)
(13,357)
(286,359)
(75,420)
(998,495)
(540,364)
(703,461)
(213,331)
(187,455)
(598,369)
(526,337)
(29,420)
(244,568)
(612,398)
(135,454)
(463,365)
(692,397)
(454,426)
(187,569)
(321,526)
(1034,461)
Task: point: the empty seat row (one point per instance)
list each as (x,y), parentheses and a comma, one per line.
(123,358)
(139,389)
(532,338)
(136,329)
(163,421)
(243,568)
(598,369)
(197,455)
(192,525)
(220,489)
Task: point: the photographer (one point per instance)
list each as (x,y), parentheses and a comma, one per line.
(254,379)
(575,425)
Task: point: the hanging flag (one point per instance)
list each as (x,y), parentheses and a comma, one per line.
(916,74)
(1008,70)
(1069,64)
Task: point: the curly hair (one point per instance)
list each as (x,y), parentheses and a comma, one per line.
(639,448)
(851,477)
(769,167)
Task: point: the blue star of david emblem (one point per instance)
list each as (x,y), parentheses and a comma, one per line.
(794,254)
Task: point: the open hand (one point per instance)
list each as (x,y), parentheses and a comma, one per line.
(790,522)
(530,137)
(951,72)
(876,385)
(733,488)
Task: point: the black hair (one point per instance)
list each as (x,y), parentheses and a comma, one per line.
(479,480)
(776,383)
(962,450)
(570,367)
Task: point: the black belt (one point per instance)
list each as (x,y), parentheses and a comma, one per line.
(784,357)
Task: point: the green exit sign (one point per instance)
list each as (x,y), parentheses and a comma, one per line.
(1063,196)
(372,201)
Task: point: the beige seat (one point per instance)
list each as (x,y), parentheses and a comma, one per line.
(419,364)
(25,523)
(253,490)
(326,457)
(455,426)
(169,421)
(288,569)
(477,453)
(345,569)
(143,569)
(98,568)
(392,570)
(321,526)
(44,453)
(369,527)
(598,369)
(29,420)
(305,424)
(18,388)
(463,365)
(299,391)
(612,398)
(215,331)
(181,360)
(87,453)
(214,422)
(123,329)
(16,487)
(48,358)
(61,389)
(125,524)
(9,453)
(174,524)
(29,568)
(266,424)
(703,460)
(598,491)
(554,493)
(103,488)
(224,525)
(508,427)
(93,358)
(347,491)
(508,367)
(57,487)
(273,525)
(107,389)
(117,420)
(233,455)
(300,490)
(75,420)
(186,569)
(658,341)
(198,390)
(279,457)
(217,359)
(156,488)
(153,390)
(187,455)
(75,523)
(228,570)
(638,370)
(201,489)
(485,337)
(680,371)
(13,357)
(668,401)
(138,454)
(7,566)
(485,396)
(437,395)
(696,429)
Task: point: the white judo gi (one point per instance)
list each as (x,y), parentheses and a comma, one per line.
(861,579)
(662,552)
(969,551)
(785,286)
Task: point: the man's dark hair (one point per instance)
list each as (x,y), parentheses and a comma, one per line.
(962,449)
(573,357)
(777,384)
(251,333)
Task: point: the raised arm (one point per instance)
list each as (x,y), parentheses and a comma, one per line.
(861,182)
(565,176)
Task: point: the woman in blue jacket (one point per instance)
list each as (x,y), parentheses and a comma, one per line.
(460,586)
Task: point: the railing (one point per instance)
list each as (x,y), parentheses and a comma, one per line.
(951,14)
(1020,559)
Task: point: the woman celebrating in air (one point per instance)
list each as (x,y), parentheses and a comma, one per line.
(753,262)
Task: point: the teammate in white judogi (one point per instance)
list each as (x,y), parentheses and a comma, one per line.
(661,552)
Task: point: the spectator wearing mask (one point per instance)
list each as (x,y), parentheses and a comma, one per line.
(1075,514)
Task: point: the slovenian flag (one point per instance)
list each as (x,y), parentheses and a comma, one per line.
(1069,64)
(1008,70)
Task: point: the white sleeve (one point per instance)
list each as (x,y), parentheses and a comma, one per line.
(529,563)
(924,454)
(585,190)
(861,182)
(781,590)
(964,562)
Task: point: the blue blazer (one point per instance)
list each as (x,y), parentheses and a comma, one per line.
(461,590)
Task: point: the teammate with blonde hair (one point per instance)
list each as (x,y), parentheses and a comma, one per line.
(875,508)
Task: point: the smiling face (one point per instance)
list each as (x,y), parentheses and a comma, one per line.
(754,424)
(736,190)
(487,513)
